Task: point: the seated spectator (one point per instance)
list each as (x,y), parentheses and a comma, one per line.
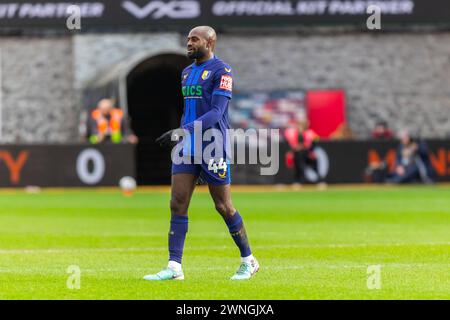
(108,124)
(376,172)
(413,162)
(382,131)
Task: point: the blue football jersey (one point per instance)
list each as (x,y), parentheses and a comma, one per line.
(199,84)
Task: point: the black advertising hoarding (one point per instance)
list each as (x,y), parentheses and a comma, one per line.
(83,165)
(345,162)
(65,165)
(175,14)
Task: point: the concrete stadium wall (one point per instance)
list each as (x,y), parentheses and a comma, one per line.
(96,54)
(38,102)
(402,78)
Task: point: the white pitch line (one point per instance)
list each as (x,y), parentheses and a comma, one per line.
(162,248)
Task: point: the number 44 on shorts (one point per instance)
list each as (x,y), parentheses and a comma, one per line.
(220,166)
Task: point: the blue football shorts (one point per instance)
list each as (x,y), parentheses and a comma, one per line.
(214,172)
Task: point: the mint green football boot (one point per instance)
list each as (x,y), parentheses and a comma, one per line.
(166,274)
(246,270)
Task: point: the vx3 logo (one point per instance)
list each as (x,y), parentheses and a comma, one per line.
(159,9)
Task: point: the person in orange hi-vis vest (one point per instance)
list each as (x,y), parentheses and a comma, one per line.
(108,124)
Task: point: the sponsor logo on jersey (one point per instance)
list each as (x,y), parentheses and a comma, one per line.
(228,70)
(226,83)
(189,91)
(185,76)
(206,74)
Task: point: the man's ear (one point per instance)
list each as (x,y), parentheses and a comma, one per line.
(210,44)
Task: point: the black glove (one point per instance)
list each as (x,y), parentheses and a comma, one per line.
(166,138)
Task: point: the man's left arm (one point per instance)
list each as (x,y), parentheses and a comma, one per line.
(222,93)
(219,104)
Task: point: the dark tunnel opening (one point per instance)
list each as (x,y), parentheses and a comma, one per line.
(155,105)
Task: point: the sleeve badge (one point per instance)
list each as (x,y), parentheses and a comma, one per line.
(226,83)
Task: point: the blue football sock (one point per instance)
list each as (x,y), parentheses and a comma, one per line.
(177,235)
(238,233)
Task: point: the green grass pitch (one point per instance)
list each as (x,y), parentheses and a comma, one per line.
(310,244)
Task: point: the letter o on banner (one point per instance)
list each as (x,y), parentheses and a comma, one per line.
(98,171)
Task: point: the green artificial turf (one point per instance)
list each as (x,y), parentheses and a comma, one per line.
(310,244)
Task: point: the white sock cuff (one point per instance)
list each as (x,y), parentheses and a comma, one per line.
(174,265)
(247,259)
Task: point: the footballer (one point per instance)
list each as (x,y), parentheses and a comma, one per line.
(207,90)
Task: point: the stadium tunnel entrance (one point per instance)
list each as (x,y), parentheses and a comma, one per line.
(147,88)
(155,105)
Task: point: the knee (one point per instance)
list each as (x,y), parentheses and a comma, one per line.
(178,205)
(225,209)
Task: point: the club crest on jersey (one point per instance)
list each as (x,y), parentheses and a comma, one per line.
(206,74)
